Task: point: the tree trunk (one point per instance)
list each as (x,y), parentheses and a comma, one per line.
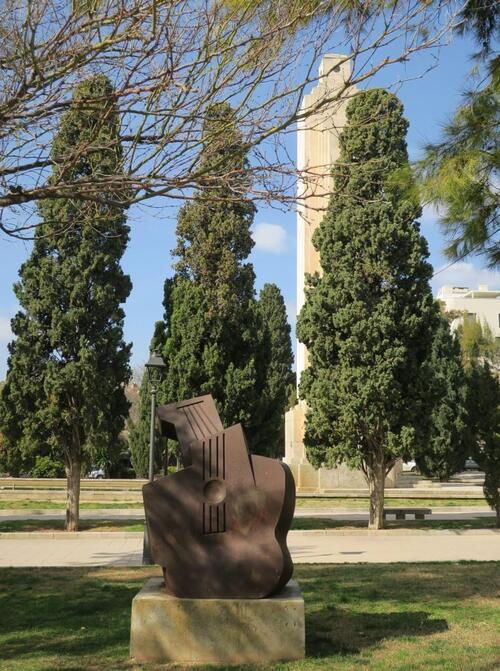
(376,484)
(73,495)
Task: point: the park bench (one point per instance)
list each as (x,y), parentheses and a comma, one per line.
(401,513)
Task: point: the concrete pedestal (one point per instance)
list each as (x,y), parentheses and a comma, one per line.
(216,631)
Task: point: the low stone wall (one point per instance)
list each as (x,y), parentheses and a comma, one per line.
(309,480)
(86,496)
(60,483)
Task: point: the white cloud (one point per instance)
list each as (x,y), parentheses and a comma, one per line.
(5,332)
(464,274)
(270,238)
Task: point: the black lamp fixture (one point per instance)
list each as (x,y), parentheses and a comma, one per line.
(155,367)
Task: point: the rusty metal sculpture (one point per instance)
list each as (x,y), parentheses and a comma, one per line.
(218,527)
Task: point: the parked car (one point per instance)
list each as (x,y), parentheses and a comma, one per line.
(96,474)
(471,465)
(410,466)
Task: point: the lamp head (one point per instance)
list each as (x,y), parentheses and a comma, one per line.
(155,367)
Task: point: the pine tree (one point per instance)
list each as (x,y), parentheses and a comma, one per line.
(484,412)
(213,327)
(68,363)
(269,437)
(140,430)
(460,172)
(368,319)
(449,441)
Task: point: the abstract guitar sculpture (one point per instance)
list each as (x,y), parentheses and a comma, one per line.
(218,527)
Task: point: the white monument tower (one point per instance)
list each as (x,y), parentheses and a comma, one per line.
(317,150)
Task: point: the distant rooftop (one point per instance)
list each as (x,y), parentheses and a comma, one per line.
(482,291)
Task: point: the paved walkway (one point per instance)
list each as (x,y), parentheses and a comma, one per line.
(438,513)
(331,546)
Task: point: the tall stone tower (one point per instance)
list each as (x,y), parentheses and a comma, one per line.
(317,150)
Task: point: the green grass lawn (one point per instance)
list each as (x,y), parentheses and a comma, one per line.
(11,504)
(384,617)
(307,523)
(361,503)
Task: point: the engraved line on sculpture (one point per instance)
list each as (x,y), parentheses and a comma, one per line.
(214,458)
(224,458)
(209,457)
(186,415)
(203,448)
(249,457)
(214,511)
(199,415)
(196,419)
(193,421)
(186,404)
(217,459)
(181,406)
(211,426)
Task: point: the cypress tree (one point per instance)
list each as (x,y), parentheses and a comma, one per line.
(484,412)
(269,437)
(449,440)
(213,327)
(68,363)
(368,319)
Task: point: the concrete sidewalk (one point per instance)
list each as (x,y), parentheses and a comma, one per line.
(438,513)
(331,546)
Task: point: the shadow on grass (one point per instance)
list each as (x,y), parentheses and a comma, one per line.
(66,614)
(311,523)
(84,525)
(79,619)
(335,631)
(360,606)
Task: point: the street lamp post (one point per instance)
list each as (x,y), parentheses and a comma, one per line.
(154,367)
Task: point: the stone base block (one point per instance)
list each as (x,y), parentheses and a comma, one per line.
(216,631)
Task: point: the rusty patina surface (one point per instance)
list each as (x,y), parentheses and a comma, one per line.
(218,527)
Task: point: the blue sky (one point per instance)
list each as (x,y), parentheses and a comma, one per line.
(428,101)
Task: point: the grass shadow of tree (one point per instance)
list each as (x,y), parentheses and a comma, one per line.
(336,631)
(65,614)
(79,619)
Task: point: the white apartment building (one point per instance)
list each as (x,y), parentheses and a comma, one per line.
(480,304)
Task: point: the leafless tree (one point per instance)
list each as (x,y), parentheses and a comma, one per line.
(168,60)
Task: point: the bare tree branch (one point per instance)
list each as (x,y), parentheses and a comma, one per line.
(168,61)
